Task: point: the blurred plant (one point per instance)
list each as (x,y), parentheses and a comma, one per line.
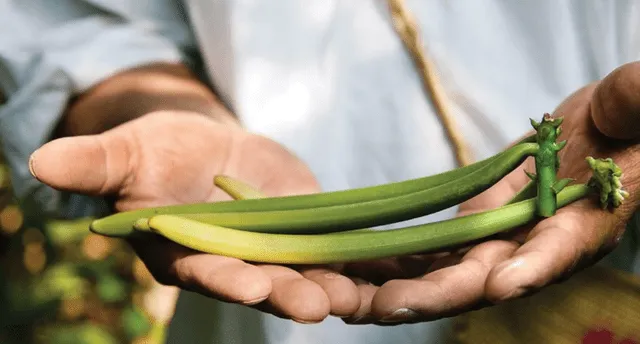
(61,284)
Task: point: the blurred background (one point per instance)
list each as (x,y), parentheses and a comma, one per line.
(59,283)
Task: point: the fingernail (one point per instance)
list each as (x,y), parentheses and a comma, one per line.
(306,322)
(31,168)
(513,294)
(402,314)
(254,301)
(364,319)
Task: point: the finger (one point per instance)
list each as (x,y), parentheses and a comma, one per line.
(223,278)
(96,165)
(444,292)
(296,297)
(366,292)
(342,291)
(615,107)
(556,247)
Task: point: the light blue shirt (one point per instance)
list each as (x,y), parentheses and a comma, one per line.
(328,79)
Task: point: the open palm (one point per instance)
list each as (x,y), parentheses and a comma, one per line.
(171,158)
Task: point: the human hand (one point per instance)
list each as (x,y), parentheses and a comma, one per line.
(600,121)
(166,158)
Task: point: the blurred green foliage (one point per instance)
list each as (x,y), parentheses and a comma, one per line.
(59,283)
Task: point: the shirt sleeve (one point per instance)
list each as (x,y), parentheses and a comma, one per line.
(51,51)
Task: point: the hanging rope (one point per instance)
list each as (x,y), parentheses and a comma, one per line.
(407,28)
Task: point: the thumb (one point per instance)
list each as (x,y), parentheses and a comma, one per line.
(615,107)
(93,165)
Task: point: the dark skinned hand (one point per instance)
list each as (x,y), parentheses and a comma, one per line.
(150,162)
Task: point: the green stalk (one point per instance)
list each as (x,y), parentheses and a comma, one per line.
(547,164)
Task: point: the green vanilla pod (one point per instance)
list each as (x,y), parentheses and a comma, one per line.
(373,213)
(121,224)
(367,245)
